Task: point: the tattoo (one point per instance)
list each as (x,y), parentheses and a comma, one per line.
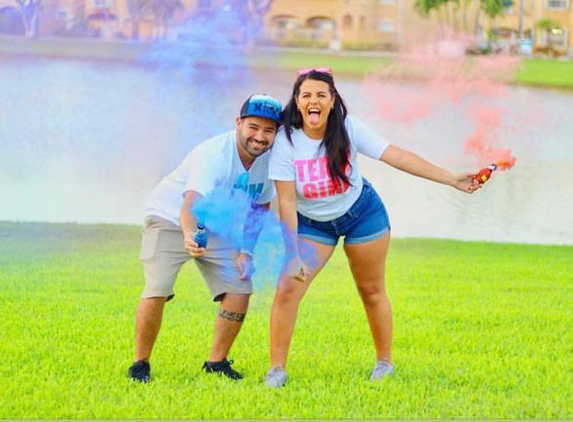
(231,316)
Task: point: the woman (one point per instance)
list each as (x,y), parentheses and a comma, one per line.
(322,197)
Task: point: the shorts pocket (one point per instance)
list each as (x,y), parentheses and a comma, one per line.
(148,244)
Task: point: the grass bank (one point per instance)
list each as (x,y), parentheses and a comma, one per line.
(481,331)
(546,73)
(533,72)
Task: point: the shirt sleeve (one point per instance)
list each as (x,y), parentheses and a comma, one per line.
(281,160)
(366,140)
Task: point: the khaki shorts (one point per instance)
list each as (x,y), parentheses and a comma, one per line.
(163,254)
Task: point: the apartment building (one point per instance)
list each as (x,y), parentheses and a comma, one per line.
(336,23)
(521,17)
(352,24)
(397,24)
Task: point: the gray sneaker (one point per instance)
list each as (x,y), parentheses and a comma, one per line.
(382,369)
(276,377)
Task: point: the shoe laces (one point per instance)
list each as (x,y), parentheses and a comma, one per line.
(227,363)
(225,367)
(140,370)
(274,371)
(384,366)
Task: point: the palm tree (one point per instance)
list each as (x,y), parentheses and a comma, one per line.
(137,9)
(425,7)
(251,15)
(447,11)
(547,25)
(30,11)
(163,11)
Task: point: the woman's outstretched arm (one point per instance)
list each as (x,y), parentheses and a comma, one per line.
(413,164)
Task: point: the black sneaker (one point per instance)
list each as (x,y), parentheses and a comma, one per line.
(140,371)
(222,368)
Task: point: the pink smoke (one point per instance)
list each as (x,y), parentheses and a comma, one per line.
(443,74)
(485,142)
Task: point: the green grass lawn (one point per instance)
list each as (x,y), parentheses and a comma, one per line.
(481,331)
(550,73)
(358,65)
(534,72)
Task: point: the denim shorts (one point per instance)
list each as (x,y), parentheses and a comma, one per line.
(366,220)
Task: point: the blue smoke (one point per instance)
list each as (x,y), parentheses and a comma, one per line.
(225,215)
(207,62)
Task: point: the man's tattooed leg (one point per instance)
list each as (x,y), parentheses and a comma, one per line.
(231,316)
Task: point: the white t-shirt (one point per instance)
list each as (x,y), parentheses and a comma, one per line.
(306,164)
(214,164)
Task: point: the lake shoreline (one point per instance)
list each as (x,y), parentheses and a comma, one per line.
(536,73)
(8,226)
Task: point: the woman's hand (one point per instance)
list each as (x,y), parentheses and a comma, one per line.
(466,182)
(245,265)
(297,269)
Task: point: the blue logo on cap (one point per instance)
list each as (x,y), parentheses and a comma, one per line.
(264,106)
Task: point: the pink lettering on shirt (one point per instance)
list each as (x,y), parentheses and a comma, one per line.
(300,164)
(315,178)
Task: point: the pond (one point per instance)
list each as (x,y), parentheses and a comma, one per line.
(88,141)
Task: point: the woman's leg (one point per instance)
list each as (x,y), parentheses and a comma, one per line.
(367,263)
(285,306)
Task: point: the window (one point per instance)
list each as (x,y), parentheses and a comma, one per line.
(321,23)
(558,37)
(347,22)
(558,4)
(285,22)
(386,25)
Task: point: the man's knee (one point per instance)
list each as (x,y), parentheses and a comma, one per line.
(151,305)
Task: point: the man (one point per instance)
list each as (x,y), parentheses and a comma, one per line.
(233,165)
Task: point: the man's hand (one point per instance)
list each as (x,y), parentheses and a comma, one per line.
(245,265)
(191,246)
(297,269)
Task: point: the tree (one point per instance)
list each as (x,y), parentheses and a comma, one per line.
(448,11)
(163,11)
(547,25)
(251,15)
(30,11)
(492,8)
(137,10)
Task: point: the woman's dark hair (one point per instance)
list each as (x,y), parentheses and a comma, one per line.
(336,141)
